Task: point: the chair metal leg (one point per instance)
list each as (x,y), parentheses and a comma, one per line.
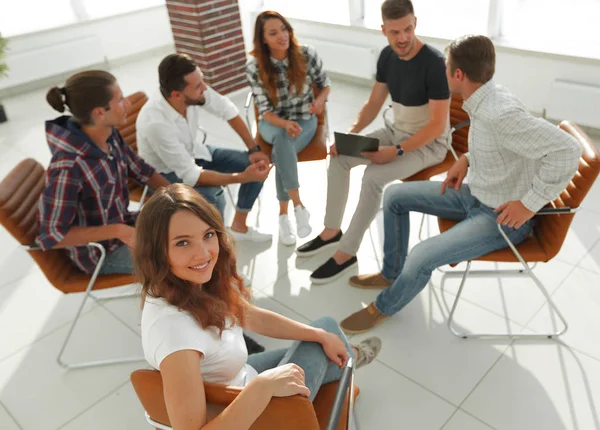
(421,227)
(527,271)
(87,295)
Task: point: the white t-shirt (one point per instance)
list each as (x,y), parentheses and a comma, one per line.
(166,329)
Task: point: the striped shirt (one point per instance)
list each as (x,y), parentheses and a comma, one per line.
(514,155)
(290,104)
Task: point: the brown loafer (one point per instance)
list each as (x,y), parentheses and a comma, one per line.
(363,320)
(369,282)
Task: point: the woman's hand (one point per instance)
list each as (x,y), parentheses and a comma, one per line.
(317,107)
(334,348)
(285,381)
(293,128)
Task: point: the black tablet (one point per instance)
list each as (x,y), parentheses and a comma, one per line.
(353,144)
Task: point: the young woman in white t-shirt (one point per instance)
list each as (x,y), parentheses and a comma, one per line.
(195,307)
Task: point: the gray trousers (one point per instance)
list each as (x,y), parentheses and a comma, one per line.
(376,176)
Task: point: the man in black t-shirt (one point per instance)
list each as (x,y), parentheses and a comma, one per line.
(414,75)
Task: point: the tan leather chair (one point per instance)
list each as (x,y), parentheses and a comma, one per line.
(128,132)
(289,413)
(458,143)
(552,225)
(20,192)
(315,150)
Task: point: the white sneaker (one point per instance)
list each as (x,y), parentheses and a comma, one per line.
(251,235)
(286,233)
(302,218)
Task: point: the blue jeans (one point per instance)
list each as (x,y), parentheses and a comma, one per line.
(225,161)
(475,235)
(118,262)
(308,355)
(285,150)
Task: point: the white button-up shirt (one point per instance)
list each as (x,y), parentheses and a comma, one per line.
(171,143)
(514,155)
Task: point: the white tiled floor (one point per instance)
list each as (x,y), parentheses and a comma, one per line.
(424,378)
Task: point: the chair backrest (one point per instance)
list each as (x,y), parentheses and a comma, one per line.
(128,130)
(290,413)
(551,230)
(460,137)
(20,193)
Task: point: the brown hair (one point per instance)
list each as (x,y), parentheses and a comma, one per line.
(223,296)
(82,93)
(396,9)
(267,72)
(474,55)
(172,71)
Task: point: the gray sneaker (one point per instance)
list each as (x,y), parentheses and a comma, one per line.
(367,351)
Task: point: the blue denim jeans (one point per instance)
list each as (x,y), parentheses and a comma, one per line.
(118,262)
(285,150)
(475,235)
(308,355)
(225,161)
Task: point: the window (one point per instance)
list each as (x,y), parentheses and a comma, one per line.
(439,18)
(552,26)
(21,17)
(330,11)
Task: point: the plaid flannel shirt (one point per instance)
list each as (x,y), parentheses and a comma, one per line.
(86,187)
(290,105)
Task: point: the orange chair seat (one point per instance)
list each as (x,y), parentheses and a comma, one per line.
(530,249)
(430,172)
(290,413)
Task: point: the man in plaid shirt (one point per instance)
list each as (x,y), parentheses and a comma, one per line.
(86,195)
(516,165)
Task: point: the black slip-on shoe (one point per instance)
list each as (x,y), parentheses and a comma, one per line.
(317,245)
(330,271)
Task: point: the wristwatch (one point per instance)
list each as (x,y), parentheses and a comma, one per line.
(254,149)
(399,149)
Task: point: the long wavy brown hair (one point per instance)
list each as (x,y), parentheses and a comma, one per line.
(212,304)
(267,72)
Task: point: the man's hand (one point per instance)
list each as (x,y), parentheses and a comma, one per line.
(256,172)
(257,157)
(293,128)
(383,155)
(456,174)
(316,107)
(333,150)
(126,234)
(513,214)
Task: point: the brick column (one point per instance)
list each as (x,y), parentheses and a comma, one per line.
(210,31)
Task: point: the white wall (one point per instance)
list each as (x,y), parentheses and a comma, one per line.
(116,37)
(528,75)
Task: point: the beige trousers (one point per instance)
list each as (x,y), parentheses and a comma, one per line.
(376,176)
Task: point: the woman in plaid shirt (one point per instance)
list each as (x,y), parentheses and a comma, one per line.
(281,76)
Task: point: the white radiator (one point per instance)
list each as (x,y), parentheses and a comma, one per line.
(51,60)
(350,60)
(575,102)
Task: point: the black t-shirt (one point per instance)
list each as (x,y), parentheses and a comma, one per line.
(416,81)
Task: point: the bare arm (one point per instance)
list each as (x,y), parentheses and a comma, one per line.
(274,119)
(438,118)
(156,181)
(83,235)
(185,398)
(239,126)
(277,326)
(371,108)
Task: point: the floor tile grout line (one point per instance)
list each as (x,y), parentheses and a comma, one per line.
(45,335)
(11,415)
(94,404)
(416,382)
